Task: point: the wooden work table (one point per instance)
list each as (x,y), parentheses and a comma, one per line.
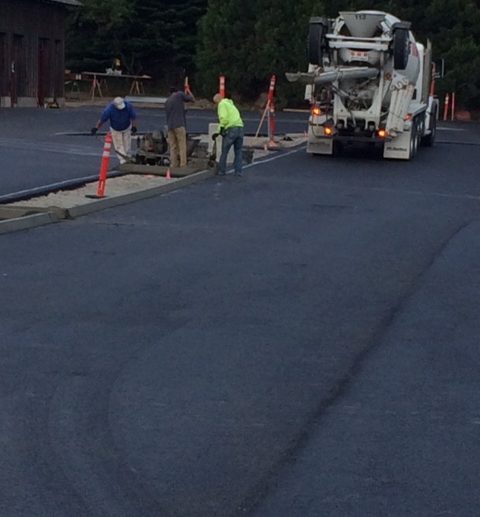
(99,84)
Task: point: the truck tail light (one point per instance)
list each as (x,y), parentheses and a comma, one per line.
(315,110)
(382,133)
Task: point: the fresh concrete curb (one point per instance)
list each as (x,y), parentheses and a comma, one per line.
(28,221)
(31,216)
(120,190)
(110,202)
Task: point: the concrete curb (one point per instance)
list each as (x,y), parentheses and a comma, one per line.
(110,202)
(40,216)
(28,221)
(41,210)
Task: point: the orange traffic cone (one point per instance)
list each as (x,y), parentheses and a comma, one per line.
(168,174)
(102,175)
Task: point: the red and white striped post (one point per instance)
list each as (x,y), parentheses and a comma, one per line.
(271,110)
(102,175)
(271,88)
(445,106)
(221,86)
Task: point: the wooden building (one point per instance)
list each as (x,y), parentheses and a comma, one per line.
(32,51)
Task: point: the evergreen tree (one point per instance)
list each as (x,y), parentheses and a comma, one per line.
(454,28)
(249,42)
(96,33)
(281,40)
(226,46)
(164,36)
(157,37)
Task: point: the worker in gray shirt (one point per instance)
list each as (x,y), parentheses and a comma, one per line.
(176,124)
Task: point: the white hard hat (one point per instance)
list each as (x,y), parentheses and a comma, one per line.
(119,103)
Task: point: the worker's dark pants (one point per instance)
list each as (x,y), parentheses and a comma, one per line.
(232,137)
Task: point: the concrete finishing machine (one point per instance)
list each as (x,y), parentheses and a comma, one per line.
(369,82)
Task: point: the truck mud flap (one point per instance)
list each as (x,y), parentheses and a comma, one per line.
(320,146)
(398,148)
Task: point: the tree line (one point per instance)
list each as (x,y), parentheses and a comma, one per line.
(249,40)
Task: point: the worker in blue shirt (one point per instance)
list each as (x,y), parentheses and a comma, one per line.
(122,119)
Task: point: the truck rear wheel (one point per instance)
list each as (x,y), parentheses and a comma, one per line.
(429,140)
(316,40)
(413,139)
(401,48)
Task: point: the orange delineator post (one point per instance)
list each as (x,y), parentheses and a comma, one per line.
(186,86)
(102,175)
(271,110)
(221,85)
(452,107)
(271,88)
(445,106)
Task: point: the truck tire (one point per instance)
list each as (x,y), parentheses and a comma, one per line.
(337,148)
(413,140)
(401,48)
(429,140)
(316,40)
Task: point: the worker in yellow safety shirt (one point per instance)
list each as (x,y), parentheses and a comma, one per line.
(231,129)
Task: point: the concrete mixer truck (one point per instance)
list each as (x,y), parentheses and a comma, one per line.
(369,82)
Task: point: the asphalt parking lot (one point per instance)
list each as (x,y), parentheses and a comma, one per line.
(43,147)
(302,342)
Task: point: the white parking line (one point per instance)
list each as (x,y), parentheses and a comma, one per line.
(273,158)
